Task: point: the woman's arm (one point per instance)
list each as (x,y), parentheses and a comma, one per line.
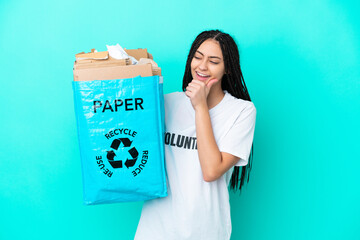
(213,162)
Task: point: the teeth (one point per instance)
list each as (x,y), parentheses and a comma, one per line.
(202,75)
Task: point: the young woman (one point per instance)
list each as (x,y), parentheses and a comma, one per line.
(209,135)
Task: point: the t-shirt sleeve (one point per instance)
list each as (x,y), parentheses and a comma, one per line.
(238,140)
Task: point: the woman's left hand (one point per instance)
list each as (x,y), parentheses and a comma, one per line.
(198,92)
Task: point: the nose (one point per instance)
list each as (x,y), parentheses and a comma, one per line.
(203,64)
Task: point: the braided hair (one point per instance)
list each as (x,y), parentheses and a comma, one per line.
(232,81)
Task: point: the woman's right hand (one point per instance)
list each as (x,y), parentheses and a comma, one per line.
(198,92)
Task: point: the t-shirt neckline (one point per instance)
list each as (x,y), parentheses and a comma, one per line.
(213,109)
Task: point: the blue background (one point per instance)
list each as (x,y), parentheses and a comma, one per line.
(301,63)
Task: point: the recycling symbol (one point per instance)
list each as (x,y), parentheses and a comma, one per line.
(114,160)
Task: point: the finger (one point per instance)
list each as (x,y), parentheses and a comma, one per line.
(189,94)
(194,84)
(191,88)
(211,82)
(210,79)
(195,88)
(198,82)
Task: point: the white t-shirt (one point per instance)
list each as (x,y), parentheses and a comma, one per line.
(195,209)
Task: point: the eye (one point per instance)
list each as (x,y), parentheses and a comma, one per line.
(214,62)
(196,57)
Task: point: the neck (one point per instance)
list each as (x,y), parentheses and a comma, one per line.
(215,96)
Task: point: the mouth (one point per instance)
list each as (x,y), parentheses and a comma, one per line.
(201,76)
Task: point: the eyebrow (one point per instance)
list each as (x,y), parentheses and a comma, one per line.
(210,56)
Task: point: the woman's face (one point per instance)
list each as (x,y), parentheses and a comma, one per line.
(208,62)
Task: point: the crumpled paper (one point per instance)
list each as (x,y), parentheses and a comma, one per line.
(117,52)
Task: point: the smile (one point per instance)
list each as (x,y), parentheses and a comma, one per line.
(202,75)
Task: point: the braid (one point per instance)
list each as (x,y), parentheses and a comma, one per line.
(232,81)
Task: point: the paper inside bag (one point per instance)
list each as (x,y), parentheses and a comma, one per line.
(118,52)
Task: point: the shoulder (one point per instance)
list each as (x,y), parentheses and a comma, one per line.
(239,105)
